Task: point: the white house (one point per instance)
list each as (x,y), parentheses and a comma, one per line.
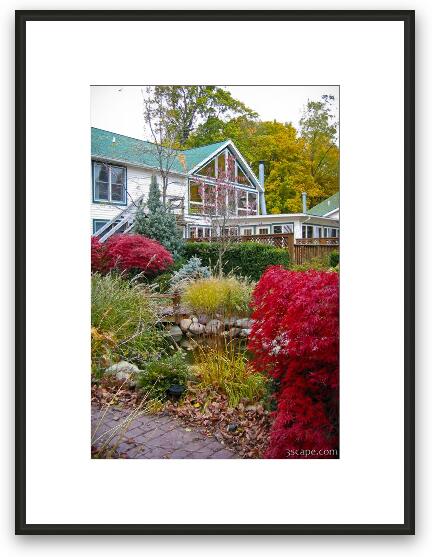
(122,168)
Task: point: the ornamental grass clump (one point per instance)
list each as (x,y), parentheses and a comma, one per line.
(228,370)
(224,296)
(123,322)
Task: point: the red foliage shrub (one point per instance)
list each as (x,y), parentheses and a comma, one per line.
(130,252)
(100,262)
(295,339)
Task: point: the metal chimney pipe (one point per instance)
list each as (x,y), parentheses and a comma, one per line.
(263,208)
(304,202)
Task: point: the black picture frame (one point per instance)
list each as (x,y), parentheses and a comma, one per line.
(21,527)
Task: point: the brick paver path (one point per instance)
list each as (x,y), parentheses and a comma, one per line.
(153,436)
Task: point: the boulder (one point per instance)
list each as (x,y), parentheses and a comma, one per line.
(245,323)
(234,332)
(203,319)
(196,328)
(123,366)
(214,326)
(185,324)
(194,319)
(244,333)
(230,322)
(123,371)
(175,332)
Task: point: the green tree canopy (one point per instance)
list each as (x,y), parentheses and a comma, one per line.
(296,161)
(187,105)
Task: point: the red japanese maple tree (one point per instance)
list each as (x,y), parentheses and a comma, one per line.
(295,340)
(127,252)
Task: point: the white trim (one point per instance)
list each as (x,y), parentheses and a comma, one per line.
(331,212)
(97,158)
(207,159)
(237,154)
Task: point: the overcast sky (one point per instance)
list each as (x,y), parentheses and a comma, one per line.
(119,108)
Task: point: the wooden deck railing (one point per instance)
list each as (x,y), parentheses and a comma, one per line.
(317,241)
(277,240)
(301,250)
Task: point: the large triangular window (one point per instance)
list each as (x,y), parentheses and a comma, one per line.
(242,179)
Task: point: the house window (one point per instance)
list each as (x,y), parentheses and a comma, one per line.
(199,232)
(242,202)
(221,165)
(247,231)
(209,169)
(252,203)
(109,183)
(195,198)
(307,231)
(242,178)
(283,228)
(97,224)
(334,232)
(230,231)
(263,230)
(318,232)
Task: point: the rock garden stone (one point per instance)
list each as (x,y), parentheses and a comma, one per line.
(214,326)
(196,328)
(123,371)
(122,366)
(203,319)
(175,332)
(234,332)
(244,333)
(245,323)
(230,322)
(185,324)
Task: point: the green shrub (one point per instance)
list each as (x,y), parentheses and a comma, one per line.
(123,323)
(228,371)
(334,259)
(192,270)
(316,264)
(161,373)
(225,296)
(162,282)
(248,259)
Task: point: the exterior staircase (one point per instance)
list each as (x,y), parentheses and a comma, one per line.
(124,221)
(121,223)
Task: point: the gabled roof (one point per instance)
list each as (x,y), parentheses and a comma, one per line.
(135,151)
(327,206)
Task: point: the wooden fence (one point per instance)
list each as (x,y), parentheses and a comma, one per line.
(305,252)
(301,250)
(276,240)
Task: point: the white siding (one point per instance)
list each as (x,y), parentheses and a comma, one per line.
(138,183)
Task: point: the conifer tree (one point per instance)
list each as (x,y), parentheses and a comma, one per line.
(157,222)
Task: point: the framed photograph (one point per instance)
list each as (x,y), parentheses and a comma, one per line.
(215,272)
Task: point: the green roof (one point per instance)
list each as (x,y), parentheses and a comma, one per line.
(135,151)
(326,206)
